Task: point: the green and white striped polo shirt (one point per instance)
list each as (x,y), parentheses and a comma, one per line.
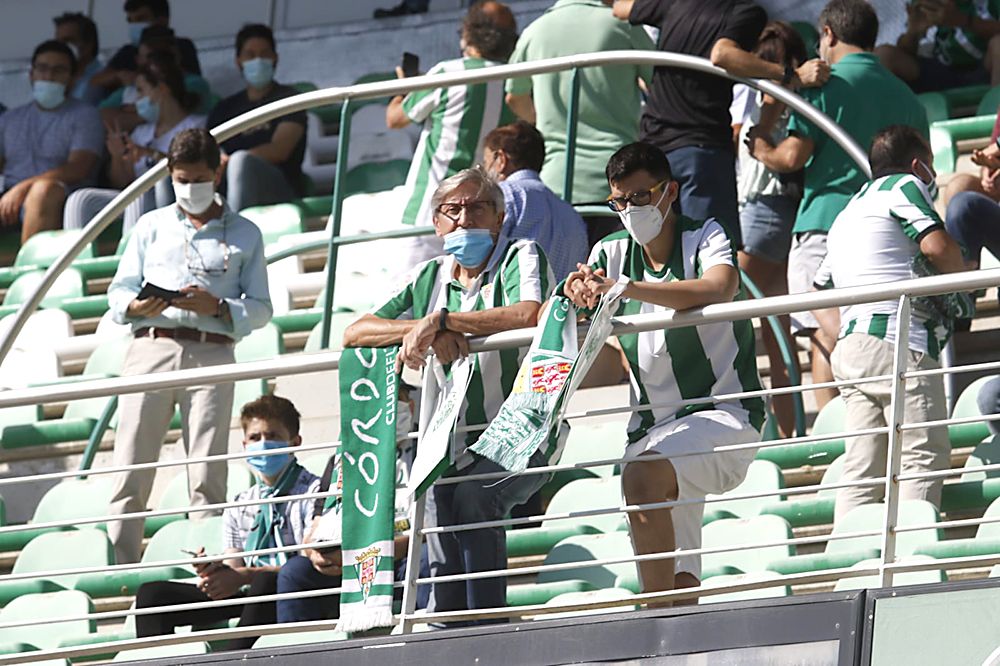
(874,240)
(676,364)
(518,271)
(456,120)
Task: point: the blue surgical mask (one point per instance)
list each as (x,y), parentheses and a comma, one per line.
(135,32)
(147,109)
(470,247)
(259,72)
(48,94)
(268,465)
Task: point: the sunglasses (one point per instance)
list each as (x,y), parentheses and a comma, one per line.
(640,198)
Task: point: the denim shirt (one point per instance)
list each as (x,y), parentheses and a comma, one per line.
(224,257)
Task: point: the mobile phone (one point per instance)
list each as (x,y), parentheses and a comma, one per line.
(192,553)
(411,64)
(149,290)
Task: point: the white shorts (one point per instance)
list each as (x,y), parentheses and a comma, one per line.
(700,475)
(807,253)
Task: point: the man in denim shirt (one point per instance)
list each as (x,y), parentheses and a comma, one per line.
(214,260)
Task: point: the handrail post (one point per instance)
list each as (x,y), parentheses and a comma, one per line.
(571,121)
(413,552)
(97,434)
(892,465)
(343,146)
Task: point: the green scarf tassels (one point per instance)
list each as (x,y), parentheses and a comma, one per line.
(368,463)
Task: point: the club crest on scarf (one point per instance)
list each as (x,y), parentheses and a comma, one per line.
(366,565)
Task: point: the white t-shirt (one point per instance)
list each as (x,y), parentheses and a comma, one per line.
(145,135)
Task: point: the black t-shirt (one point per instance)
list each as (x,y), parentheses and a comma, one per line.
(124,58)
(687,108)
(325,481)
(238,104)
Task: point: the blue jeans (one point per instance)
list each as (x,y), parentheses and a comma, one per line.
(252,181)
(298,575)
(707,178)
(973,220)
(470,551)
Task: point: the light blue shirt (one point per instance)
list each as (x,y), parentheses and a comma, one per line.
(534,212)
(224,257)
(82,90)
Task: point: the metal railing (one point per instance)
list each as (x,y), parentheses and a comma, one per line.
(347,94)
(887,567)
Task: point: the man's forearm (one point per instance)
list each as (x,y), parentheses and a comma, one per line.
(494,320)
(372,331)
(738,62)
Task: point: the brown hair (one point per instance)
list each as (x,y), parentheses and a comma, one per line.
(162,67)
(523,144)
(272,408)
(193,146)
(781,43)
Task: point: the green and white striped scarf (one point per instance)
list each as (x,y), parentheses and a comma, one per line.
(368,455)
(266,531)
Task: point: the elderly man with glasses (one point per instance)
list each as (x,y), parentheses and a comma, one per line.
(484,283)
(191,282)
(671,262)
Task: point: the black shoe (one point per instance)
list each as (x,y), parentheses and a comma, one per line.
(399,10)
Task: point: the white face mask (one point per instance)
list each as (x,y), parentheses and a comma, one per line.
(932,186)
(194,198)
(643,223)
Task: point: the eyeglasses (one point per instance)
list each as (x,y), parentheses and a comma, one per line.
(206,260)
(51,70)
(473,209)
(640,198)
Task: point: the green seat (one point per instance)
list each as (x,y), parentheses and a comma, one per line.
(162,651)
(762,476)
(945,135)
(935,106)
(899,579)
(339,321)
(164,546)
(176,495)
(986,541)
(986,452)
(299,638)
(375,177)
(42,249)
(740,532)
(70,499)
(68,285)
(968,434)
(298,321)
(263,344)
(276,221)
(968,97)
(579,495)
(47,634)
(829,420)
(57,550)
(848,552)
(989,103)
(81,415)
(771,592)
(586,443)
(803,511)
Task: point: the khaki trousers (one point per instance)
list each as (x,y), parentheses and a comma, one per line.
(142,425)
(923,450)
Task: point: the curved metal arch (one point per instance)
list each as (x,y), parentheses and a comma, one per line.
(328,96)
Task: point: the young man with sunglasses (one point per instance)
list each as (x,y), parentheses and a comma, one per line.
(484,283)
(208,263)
(671,262)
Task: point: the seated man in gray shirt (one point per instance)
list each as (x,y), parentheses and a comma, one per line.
(48,147)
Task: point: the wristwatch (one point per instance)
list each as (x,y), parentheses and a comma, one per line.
(443,321)
(788,76)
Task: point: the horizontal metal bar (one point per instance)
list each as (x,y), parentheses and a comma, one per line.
(950,421)
(954,369)
(944,473)
(323,243)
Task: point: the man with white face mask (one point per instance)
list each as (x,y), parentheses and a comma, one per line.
(671,262)
(48,147)
(890,231)
(213,261)
(484,283)
(262,165)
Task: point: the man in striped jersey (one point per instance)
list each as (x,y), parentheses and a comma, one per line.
(671,262)
(485,283)
(885,228)
(455,119)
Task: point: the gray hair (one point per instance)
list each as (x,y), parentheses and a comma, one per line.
(487,188)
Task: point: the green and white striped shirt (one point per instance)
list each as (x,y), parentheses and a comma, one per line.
(518,271)
(874,240)
(677,364)
(456,120)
